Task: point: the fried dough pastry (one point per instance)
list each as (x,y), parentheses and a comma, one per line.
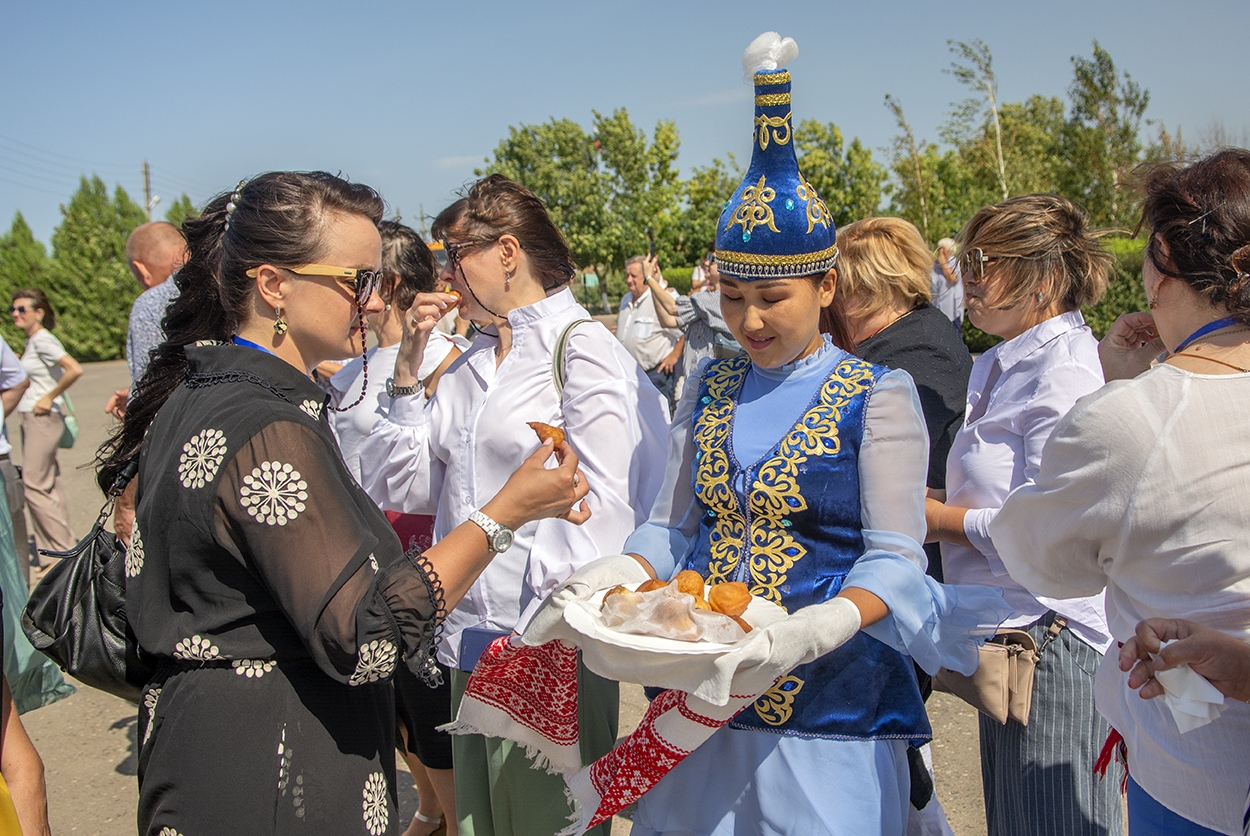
(613,591)
(700,604)
(690,582)
(546,431)
(741,622)
(651,585)
(729,598)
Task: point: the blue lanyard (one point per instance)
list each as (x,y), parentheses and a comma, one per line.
(237,340)
(1204,330)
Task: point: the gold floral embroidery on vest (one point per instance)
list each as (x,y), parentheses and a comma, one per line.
(776,705)
(711,441)
(775,493)
(754,210)
(775,128)
(817,209)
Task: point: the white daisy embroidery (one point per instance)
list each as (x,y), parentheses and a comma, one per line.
(313,408)
(375,660)
(377,816)
(134,554)
(251,668)
(196,649)
(373,561)
(201,458)
(274,493)
(149,702)
(169,831)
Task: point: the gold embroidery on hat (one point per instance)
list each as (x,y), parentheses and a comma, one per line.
(817,210)
(754,209)
(762,79)
(779,133)
(772,100)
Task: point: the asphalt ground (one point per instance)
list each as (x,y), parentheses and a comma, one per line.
(88,741)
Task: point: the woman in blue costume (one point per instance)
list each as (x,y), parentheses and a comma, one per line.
(800,469)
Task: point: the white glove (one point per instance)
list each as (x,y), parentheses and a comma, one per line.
(585,582)
(781,647)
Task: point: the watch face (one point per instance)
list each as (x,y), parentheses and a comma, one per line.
(502,541)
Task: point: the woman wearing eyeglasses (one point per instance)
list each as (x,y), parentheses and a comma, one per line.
(43,409)
(1028,265)
(509,267)
(270,592)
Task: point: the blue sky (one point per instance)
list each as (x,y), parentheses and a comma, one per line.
(410,96)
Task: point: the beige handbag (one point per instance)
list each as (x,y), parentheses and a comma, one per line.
(1002,686)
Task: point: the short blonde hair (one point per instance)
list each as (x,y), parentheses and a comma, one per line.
(882,261)
(1046,245)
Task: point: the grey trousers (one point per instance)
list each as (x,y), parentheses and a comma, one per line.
(17,511)
(1039,779)
(45,494)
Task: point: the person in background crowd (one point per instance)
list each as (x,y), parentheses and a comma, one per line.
(23,792)
(945,289)
(697,316)
(272,594)
(154,252)
(408,268)
(883,279)
(52,371)
(656,349)
(699,276)
(511,268)
(1029,264)
(13,385)
(1145,491)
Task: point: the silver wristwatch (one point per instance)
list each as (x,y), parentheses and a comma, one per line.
(498,537)
(394,391)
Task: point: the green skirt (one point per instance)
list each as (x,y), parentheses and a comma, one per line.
(499,793)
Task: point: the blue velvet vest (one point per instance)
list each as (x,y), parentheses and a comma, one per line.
(793,538)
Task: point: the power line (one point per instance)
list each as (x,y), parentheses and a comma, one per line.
(32,188)
(47,153)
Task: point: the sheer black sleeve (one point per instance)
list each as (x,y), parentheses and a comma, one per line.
(287,507)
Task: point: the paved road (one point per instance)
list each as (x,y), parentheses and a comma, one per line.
(88,740)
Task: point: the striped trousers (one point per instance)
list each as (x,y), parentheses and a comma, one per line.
(1039,779)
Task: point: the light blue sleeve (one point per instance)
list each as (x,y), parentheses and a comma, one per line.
(671,530)
(937,625)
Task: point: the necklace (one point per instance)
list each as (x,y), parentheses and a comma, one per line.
(1209,328)
(1211,360)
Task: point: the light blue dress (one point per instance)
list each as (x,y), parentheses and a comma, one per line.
(744,781)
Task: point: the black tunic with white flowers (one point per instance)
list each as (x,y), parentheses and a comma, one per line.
(279,601)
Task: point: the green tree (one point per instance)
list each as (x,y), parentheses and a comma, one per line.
(1102,141)
(23,263)
(912,164)
(90,282)
(707,191)
(180,210)
(975,70)
(849,180)
(558,161)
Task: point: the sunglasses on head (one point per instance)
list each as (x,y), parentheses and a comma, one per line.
(362,283)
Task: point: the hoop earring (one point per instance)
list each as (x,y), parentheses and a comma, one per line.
(279,324)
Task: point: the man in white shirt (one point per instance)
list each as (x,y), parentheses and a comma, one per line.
(13,384)
(945,288)
(656,349)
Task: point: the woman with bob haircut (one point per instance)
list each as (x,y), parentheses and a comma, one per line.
(270,592)
(509,267)
(1029,264)
(1145,489)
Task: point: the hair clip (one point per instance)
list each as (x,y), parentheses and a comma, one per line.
(234,201)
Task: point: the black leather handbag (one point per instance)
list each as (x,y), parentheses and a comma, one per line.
(76,615)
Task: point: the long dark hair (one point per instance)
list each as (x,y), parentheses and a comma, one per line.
(1202,213)
(277,218)
(42,303)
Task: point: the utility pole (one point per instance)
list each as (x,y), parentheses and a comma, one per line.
(149,202)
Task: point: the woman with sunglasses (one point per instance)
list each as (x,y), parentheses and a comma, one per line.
(1145,489)
(43,408)
(270,592)
(1029,264)
(509,267)
(408,268)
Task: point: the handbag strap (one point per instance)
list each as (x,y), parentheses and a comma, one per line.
(1057,623)
(559,374)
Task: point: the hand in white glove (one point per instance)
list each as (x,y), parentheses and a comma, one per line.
(586,581)
(781,647)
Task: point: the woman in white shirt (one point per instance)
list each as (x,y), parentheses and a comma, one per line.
(1145,490)
(509,266)
(42,408)
(1028,265)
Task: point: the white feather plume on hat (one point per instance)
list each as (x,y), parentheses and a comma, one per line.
(769,51)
